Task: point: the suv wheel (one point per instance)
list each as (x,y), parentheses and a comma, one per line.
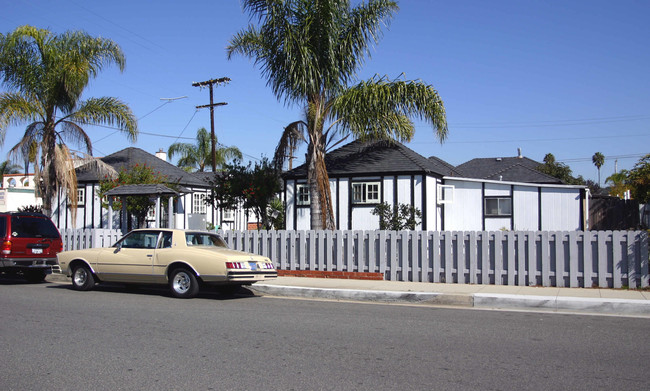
(82,278)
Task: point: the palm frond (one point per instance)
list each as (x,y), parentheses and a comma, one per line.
(106,111)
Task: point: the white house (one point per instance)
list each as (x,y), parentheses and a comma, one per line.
(363,175)
(189,210)
(17,191)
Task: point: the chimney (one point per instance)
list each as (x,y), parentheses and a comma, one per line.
(161,155)
(519,155)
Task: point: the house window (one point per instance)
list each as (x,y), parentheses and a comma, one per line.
(228,215)
(365,193)
(302,194)
(198,203)
(498,206)
(445,194)
(81,196)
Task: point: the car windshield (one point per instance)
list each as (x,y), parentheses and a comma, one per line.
(204,239)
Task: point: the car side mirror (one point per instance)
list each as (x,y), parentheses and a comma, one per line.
(118,248)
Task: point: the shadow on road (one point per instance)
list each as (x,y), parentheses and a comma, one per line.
(156,290)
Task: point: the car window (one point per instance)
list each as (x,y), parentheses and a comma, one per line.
(3,226)
(165,240)
(33,227)
(204,239)
(140,239)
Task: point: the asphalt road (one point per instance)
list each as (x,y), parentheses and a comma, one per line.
(114,338)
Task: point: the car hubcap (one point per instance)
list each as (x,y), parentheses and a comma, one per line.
(181,282)
(80,277)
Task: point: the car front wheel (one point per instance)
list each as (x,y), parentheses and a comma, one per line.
(183,284)
(82,278)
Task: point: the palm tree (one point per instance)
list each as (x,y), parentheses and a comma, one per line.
(618,183)
(598,159)
(293,134)
(7,168)
(46,75)
(199,156)
(309,51)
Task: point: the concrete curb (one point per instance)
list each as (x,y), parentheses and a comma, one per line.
(593,305)
(475,300)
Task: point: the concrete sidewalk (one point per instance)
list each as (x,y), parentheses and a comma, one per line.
(595,301)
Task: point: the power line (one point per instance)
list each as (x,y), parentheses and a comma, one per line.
(535,139)
(549,123)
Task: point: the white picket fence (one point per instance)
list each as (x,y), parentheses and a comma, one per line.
(79,239)
(607,259)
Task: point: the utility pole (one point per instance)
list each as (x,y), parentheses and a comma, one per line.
(211,83)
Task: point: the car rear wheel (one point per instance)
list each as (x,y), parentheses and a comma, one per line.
(183,284)
(35,276)
(82,278)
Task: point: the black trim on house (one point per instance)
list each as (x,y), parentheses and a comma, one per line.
(85,209)
(424,203)
(295,204)
(413,195)
(92,208)
(338,203)
(539,208)
(349,204)
(512,207)
(395,179)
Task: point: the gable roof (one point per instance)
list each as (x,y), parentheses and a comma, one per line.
(372,158)
(130,156)
(512,169)
(444,167)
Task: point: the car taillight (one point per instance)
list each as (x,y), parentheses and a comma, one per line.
(235,265)
(6,247)
(59,247)
(267,266)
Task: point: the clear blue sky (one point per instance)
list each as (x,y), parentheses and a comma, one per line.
(566,77)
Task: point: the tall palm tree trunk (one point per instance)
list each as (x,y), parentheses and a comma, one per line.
(321,214)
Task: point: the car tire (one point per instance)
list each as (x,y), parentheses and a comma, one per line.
(82,278)
(35,276)
(183,283)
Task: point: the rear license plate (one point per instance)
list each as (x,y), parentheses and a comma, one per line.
(37,251)
(253,265)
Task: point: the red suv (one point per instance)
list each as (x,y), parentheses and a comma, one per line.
(29,244)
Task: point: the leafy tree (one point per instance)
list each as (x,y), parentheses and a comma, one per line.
(137,206)
(618,183)
(598,159)
(46,75)
(398,217)
(199,156)
(246,186)
(559,170)
(309,52)
(31,209)
(7,168)
(639,180)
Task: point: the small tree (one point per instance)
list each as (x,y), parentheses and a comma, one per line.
(639,180)
(398,217)
(559,170)
(245,186)
(137,206)
(31,209)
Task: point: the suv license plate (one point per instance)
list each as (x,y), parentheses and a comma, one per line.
(37,251)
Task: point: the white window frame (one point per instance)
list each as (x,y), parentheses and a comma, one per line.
(228,215)
(500,200)
(302,194)
(198,203)
(445,194)
(81,196)
(368,193)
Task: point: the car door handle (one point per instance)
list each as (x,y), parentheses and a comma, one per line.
(150,255)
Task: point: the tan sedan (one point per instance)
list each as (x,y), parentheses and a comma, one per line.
(183,259)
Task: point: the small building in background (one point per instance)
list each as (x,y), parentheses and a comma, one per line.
(18,190)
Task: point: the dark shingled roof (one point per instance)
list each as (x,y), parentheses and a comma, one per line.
(444,167)
(375,158)
(141,189)
(512,169)
(128,157)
